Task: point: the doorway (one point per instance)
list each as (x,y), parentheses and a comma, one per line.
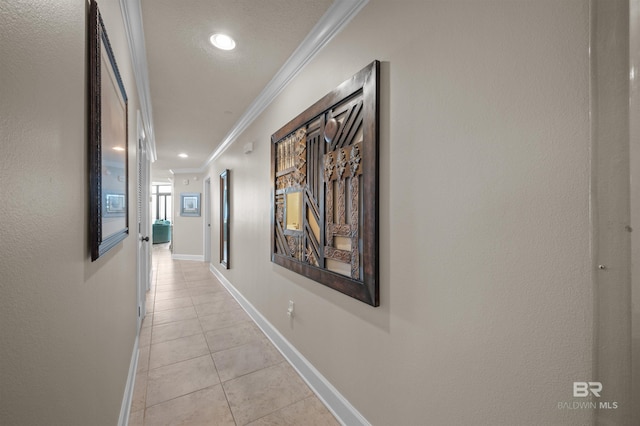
(143,223)
(207,220)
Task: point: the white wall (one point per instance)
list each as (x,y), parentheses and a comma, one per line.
(187,232)
(67,325)
(486,258)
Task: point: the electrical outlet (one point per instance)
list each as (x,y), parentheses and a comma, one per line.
(290,310)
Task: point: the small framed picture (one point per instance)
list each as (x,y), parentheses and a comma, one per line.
(190,204)
(115,205)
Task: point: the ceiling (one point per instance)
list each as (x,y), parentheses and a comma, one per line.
(198,93)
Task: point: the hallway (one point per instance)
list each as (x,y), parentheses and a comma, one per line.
(204,362)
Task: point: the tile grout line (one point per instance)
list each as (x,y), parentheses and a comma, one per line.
(194,299)
(224,392)
(155,290)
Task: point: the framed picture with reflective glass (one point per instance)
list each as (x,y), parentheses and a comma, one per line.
(108,136)
(190,204)
(224,219)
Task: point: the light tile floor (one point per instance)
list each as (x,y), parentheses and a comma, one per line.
(204,362)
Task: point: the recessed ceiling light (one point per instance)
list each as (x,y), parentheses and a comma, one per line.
(118,148)
(222,41)
(182,155)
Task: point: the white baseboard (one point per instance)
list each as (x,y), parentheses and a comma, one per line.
(127,399)
(329,395)
(195,257)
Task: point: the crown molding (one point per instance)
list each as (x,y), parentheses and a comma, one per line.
(132,17)
(186,171)
(332,22)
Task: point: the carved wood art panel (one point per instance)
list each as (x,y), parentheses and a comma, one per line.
(325,185)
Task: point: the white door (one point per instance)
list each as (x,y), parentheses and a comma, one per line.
(207,220)
(144,228)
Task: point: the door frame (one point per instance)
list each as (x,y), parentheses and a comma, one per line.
(143,228)
(207,219)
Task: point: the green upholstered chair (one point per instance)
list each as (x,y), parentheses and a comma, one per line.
(161,231)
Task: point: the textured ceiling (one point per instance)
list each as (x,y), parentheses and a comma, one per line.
(199,92)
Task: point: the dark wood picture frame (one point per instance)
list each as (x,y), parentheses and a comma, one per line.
(324,189)
(108,143)
(224,218)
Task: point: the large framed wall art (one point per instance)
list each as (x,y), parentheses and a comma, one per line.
(108,136)
(324,171)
